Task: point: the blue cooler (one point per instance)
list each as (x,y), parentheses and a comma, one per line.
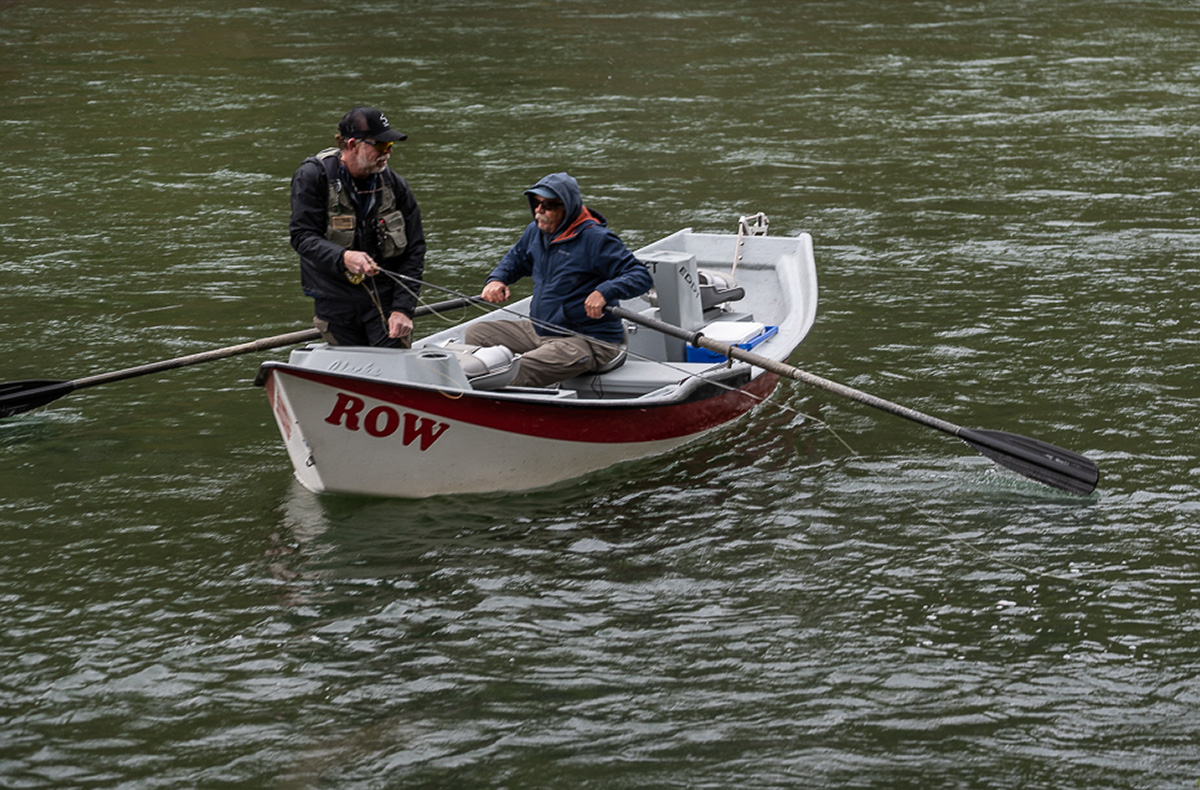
(743,334)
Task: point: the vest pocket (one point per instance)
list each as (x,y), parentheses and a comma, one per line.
(341,230)
(392,239)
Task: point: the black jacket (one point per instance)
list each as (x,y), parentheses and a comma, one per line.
(322,272)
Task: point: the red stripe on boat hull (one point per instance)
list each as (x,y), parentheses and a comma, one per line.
(571,420)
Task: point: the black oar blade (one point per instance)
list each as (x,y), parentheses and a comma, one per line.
(1037,460)
(22,396)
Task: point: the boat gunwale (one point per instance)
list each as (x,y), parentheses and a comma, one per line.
(717,375)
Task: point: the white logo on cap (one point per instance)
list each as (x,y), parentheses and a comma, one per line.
(383,119)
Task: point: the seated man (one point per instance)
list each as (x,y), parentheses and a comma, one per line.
(578,267)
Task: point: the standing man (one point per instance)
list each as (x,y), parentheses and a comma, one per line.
(353,217)
(578,266)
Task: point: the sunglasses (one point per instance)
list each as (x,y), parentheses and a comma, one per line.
(548,204)
(382,148)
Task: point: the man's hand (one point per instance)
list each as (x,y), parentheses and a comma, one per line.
(594,304)
(357,262)
(495,292)
(399,325)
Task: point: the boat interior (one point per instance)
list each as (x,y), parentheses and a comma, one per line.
(695,287)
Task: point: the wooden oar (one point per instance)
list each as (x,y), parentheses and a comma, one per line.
(22,396)
(1034,459)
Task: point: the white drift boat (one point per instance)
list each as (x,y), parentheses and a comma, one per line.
(439,419)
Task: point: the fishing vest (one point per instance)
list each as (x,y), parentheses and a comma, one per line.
(341,220)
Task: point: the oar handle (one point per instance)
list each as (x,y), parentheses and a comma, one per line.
(448,304)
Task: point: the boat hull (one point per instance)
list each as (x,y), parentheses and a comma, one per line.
(350,435)
(444,417)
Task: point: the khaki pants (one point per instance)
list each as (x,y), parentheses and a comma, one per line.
(544,359)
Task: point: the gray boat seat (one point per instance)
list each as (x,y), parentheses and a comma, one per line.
(717,288)
(639,377)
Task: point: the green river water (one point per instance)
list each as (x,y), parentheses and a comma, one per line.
(1003,201)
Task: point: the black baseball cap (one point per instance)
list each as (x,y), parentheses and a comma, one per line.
(366,122)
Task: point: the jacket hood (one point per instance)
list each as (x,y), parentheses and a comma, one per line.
(566,188)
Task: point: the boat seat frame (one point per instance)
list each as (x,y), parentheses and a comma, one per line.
(637,378)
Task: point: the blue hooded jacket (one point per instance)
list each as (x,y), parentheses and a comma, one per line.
(582,255)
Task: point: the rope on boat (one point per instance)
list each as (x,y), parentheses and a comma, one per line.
(760,228)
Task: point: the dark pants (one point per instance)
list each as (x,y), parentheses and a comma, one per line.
(342,324)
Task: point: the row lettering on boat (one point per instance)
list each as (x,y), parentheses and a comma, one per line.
(384,420)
